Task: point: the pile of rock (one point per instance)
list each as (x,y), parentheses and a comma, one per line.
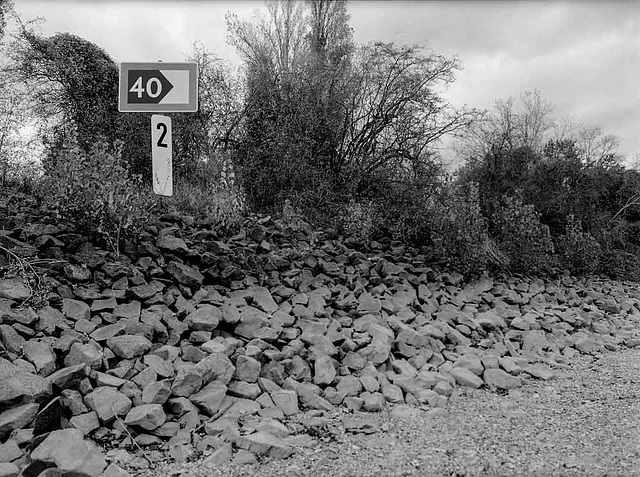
(234,348)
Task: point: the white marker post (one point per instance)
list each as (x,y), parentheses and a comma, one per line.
(161,155)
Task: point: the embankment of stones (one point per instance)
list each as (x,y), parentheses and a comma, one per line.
(237,349)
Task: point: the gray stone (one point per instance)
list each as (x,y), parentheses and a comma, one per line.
(247,369)
(70,453)
(14,289)
(70,376)
(359,425)
(75,309)
(20,386)
(210,397)
(286,400)
(465,377)
(17,418)
(324,370)
(107,402)
(220,456)
(171,243)
(9,451)
(40,354)
(472,363)
(89,354)
(538,370)
(244,390)
(129,346)
(186,382)
(146,416)
(185,274)
(157,392)
(87,422)
(11,340)
(263,300)
(216,366)
(7,469)
(263,443)
(205,318)
(498,378)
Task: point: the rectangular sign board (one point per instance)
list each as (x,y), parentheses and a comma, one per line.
(161,155)
(158,87)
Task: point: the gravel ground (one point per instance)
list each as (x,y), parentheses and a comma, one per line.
(583,422)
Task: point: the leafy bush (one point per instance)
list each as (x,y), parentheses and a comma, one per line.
(522,237)
(208,192)
(357,219)
(459,231)
(579,251)
(95,192)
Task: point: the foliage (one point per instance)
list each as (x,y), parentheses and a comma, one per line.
(74,82)
(522,237)
(95,192)
(459,231)
(324,116)
(579,251)
(357,219)
(209,193)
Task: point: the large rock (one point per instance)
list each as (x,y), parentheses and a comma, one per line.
(107,402)
(70,453)
(129,346)
(185,274)
(263,443)
(89,354)
(75,309)
(17,418)
(40,354)
(205,318)
(498,378)
(210,397)
(146,416)
(20,386)
(14,289)
(377,352)
(465,377)
(263,300)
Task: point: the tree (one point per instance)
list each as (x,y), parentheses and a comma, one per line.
(394,113)
(509,126)
(324,117)
(74,88)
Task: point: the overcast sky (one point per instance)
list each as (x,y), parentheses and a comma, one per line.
(584,57)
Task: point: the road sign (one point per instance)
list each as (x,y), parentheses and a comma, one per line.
(158,87)
(161,155)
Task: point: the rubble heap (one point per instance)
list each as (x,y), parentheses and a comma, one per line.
(233,348)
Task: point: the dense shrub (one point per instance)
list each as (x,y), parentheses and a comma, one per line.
(95,192)
(522,237)
(208,192)
(458,230)
(579,251)
(356,219)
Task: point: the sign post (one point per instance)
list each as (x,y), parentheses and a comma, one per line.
(161,155)
(159,88)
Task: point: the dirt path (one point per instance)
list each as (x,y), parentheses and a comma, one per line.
(585,421)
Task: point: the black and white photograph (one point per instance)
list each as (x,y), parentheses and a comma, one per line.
(309,238)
